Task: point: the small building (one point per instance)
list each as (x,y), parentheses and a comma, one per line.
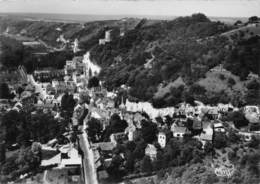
(117,137)
(151,151)
(163,137)
(197,123)
(178,131)
(206,135)
(70,158)
(218,127)
(213,112)
(130,131)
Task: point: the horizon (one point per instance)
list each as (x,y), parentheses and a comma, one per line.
(126,15)
(81,18)
(166,8)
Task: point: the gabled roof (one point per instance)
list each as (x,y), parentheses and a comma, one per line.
(150,148)
(178,129)
(52,161)
(105,146)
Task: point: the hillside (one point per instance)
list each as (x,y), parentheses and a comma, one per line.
(152,55)
(56,39)
(186,47)
(49,31)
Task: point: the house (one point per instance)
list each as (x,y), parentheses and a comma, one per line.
(117,137)
(197,123)
(53,161)
(109,36)
(104,146)
(163,136)
(206,135)
(251,109)
(151,151)
(162,139)
(218,127)
(130,131)
(69,157)
(48,74)
(178,130)
(50,156)
(91,69)
(252,113)
(213,112)
(49,99)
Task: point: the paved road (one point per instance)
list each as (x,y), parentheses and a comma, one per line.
(90,174)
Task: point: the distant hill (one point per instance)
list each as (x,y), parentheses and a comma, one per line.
(186,47)
(153,54)
(49,30)
(244,32)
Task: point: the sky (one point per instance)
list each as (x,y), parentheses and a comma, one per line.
(219,8)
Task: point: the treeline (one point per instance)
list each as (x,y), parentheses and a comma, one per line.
(21,127)
(13,54)
(186,47)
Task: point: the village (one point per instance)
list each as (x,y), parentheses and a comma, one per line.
(93,155)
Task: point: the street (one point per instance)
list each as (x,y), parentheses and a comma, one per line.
(90,175)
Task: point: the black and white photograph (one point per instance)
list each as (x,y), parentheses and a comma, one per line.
(129,92)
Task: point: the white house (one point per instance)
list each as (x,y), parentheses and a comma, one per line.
(178,131)
(130,132)
(162,139)
(206,135)
(218,127)
(151,151)
(91,67)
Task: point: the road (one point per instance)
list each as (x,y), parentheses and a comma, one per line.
(90,175)
(63,47)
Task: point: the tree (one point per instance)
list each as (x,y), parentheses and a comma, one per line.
(231,82)
(10,121)
(199,17)
(254,142)
(252,19)
(220,141)
(239,119)
(130,163)
(67,102)
(93,82)
(222,77)
(4,91)
(139,151)
(197,89)
(233,137)
(238,22)
(208,148)
(2,152)
(115,167)
(148,131)
(146,165)
(116,125)
(94,129)
(11,52)
(159,120)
